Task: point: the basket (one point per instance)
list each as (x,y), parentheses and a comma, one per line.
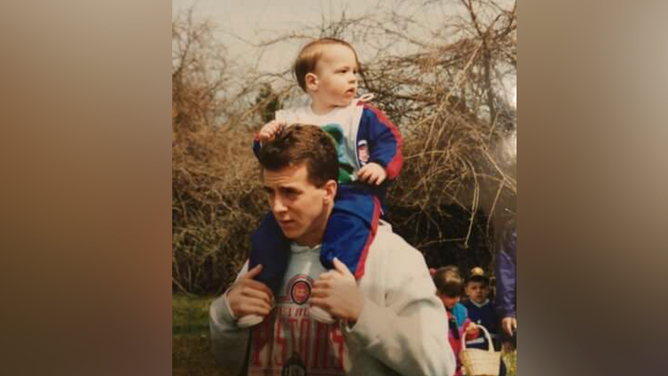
(479,362)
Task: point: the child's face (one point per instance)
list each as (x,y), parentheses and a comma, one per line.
(448,301)
(336,73)
(477,291)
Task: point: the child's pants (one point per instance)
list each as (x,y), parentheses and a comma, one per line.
(350,231)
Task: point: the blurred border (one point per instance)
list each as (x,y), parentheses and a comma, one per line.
(86,153)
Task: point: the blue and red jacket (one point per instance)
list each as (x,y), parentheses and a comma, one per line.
(362,134)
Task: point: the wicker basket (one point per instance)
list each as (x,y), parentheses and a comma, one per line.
(479,362)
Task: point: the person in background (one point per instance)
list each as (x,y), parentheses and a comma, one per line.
(449,288)
(482,311)
(506,282)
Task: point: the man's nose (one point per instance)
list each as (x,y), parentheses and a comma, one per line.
(278,206)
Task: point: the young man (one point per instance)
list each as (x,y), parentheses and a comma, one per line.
(389,322)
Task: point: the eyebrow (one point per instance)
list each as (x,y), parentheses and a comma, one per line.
(290,189)
(283,188)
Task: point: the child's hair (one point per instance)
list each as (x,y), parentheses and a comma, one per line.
(448,281)
(478,278)
(310,54)
(477,274)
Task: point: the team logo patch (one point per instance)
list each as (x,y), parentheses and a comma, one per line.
(363,152)
(300,291)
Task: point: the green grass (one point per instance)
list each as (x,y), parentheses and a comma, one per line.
(511,362)
(191,346)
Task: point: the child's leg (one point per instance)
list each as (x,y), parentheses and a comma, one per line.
(502,370)
(351,229)
(270,248)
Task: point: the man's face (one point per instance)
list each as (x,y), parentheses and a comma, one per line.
(477,291)
(337,76)
(300,208)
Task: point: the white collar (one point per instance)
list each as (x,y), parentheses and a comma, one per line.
(296,248)
(481,304)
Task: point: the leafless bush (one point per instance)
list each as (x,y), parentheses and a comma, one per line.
(215,195)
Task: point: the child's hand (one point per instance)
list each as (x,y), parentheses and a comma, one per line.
(507,347)
(270,130)
(372,173)
(471,328)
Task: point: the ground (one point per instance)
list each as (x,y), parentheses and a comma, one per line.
(191,346)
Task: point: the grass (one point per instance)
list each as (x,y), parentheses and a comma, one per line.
(511,362)
(191,346)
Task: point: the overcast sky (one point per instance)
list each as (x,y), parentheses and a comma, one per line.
(257,20)
(241,21)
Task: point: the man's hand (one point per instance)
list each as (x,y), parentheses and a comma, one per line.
(248,296)
(270,130)
(372,173)
(509,324)
(336,292)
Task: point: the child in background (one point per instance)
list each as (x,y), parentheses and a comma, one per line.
(482,312)
(449,288)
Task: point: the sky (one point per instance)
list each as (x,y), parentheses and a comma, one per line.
(249,16)
(241,23)
(256,20)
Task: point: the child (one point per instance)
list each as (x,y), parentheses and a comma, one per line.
(449,286)
(482,311)
(369,149)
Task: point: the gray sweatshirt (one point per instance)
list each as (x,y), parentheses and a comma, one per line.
(402,329)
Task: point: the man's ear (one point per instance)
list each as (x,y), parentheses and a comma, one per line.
(311,81)
(330,191)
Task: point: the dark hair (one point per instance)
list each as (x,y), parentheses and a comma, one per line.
(448,281)
(478,278)
(299,144)
(308,57)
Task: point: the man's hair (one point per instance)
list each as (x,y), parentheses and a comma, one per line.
(448,281)
(308,57)
(299,144)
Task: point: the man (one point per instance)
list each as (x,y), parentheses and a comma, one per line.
(389,322)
